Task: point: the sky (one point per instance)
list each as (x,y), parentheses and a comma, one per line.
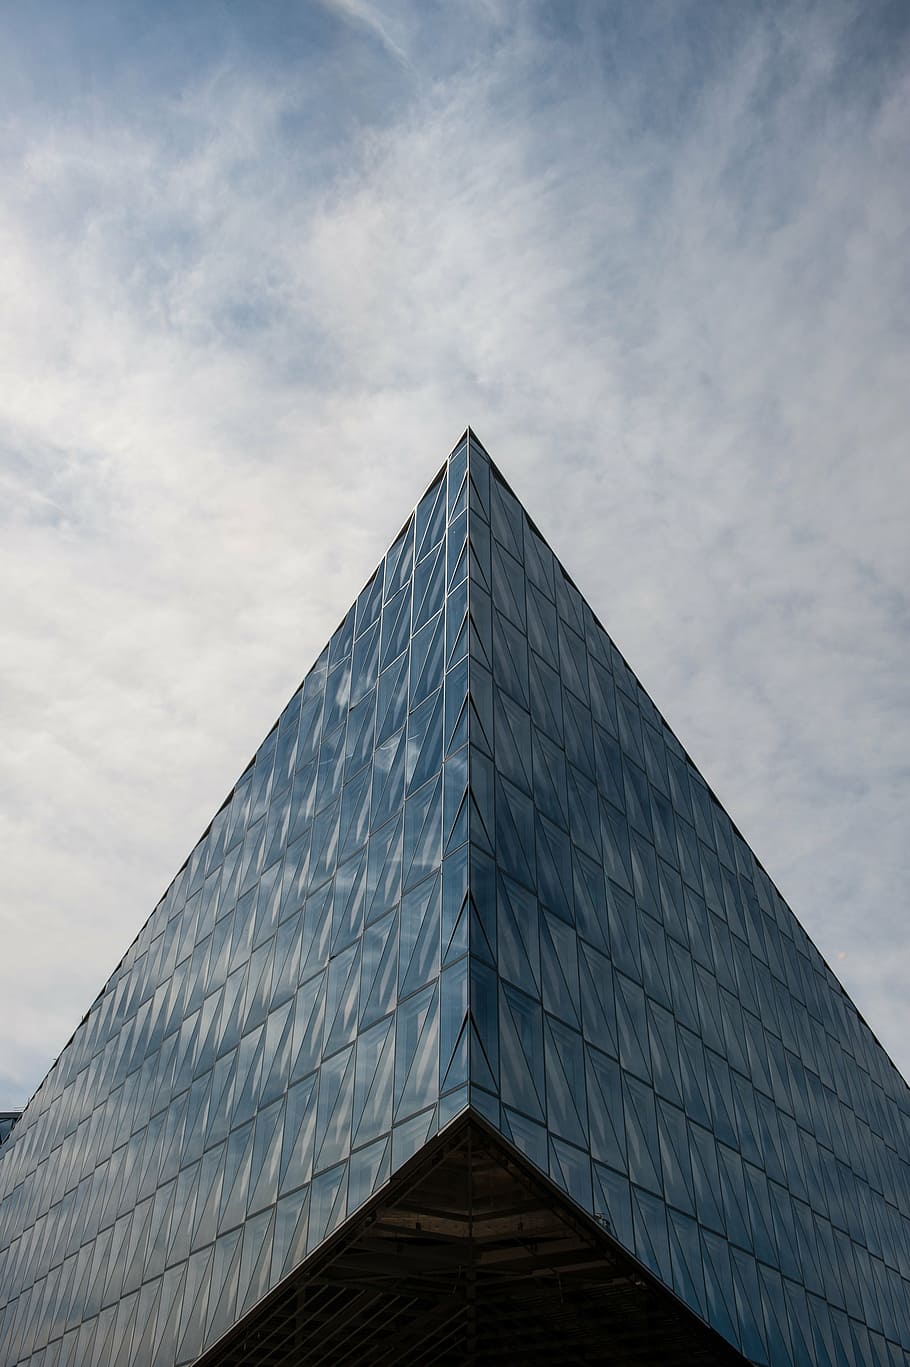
(259,267)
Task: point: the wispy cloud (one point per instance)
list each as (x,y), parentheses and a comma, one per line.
(660,266)
(369,17)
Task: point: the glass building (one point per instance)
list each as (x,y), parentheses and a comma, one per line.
(470,1030)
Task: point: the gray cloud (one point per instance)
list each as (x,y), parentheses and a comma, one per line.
(659,264)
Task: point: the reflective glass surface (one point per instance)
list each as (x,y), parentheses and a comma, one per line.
(290,1025)
(650,1024)
(470,864)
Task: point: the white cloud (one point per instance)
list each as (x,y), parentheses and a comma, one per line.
(226,375)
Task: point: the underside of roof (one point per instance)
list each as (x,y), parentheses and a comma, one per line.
(470,1256)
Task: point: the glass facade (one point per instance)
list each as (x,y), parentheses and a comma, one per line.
(289,1026)
(649,1022)
(469,865)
